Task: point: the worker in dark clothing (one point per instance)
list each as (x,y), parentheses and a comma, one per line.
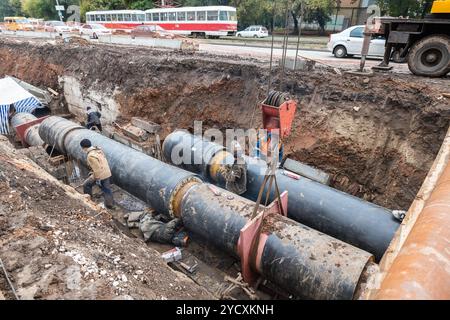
(156,230)
(101,172)
(93,119)
(12,110)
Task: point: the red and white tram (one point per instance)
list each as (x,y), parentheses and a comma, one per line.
(117,19)
(196,21)
(209,21)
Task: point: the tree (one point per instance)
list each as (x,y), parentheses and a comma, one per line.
(10,8)
(405,8)
(44,8)
(314,11)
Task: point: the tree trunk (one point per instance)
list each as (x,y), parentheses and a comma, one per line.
(296,26)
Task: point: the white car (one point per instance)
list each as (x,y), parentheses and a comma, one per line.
(56,26)
(94,30)
(254,32)
(350,41)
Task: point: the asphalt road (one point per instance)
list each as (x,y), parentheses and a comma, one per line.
(321,57)
(243,49)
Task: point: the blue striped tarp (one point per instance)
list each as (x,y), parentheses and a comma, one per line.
(26,105)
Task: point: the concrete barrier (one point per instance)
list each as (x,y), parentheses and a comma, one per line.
(174,44)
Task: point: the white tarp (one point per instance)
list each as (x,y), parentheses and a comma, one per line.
(12,93)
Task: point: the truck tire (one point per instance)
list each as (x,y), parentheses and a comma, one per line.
(430,56)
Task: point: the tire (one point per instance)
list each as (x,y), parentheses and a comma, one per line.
(340,52)
(239,35)
(430,56)
(396,57)
(255,36)
(94,35)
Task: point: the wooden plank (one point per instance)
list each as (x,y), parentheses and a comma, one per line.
(148,126)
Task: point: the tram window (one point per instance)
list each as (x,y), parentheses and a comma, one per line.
(201,15)
(114,17)
(141,17)
(223,16)
(126,17)
(213,15)
(181,16)
(102,17)
(155,16)
(133,17)
(163,16)
(119,17)
(108,17)
(191,15)
(172,16)
(88,18)
(232,15)
(148,16)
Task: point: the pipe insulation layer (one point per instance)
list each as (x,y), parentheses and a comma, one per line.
(31,135)
(343,216)
(210,160)
(298,259)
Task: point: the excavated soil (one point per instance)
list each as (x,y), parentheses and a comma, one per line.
(377,136)
(55,246)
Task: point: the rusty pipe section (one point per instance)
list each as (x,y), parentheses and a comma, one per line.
(298,259)
(422,268)
(31,134)
(345,217)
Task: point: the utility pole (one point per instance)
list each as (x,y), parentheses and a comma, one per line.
(59,8)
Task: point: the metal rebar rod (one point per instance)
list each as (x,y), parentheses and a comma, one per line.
(8,280)
(299,34)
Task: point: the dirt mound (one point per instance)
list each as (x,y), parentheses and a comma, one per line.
(55,247)
(378,136)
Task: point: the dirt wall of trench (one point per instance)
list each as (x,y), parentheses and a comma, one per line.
(377,136)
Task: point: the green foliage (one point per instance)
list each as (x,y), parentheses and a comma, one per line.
(42,8)
(405,8)
(9,8)
(141,4)
(249,11)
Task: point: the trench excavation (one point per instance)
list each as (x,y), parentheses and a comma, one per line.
(376,137)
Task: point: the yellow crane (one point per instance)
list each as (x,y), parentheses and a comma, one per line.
(441,7)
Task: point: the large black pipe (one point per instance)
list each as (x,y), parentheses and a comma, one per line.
(144,177)
(319,266)
(301,260)
(343,216)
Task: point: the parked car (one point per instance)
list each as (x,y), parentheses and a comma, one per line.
(18,24)
(254,32)
(94,30)
(56,26)
(153,31)
(350,41)
(74,26)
